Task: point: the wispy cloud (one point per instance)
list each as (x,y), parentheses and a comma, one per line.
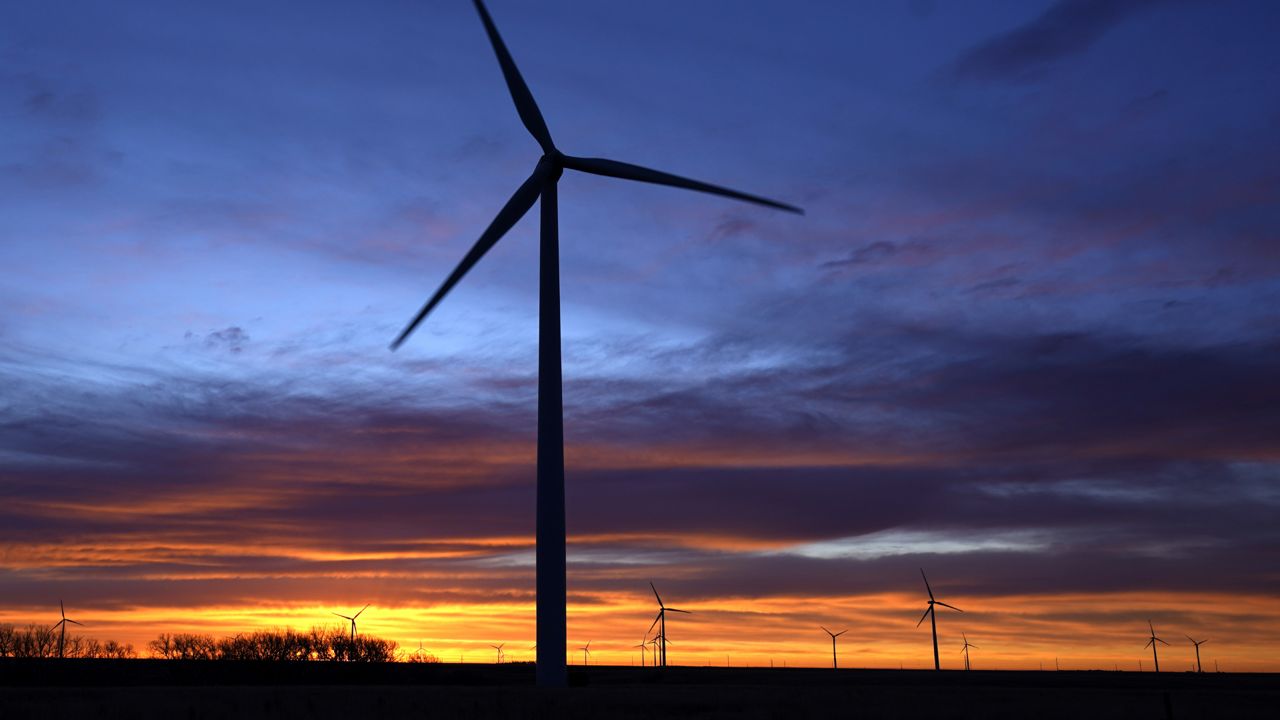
(1066,28)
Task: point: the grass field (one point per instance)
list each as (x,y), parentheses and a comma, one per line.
(174,689)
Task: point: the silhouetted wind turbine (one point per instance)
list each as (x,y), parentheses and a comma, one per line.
(586,652)
(541,185)
(1197,643)
(933,621)
(833,644)
(498,647)
(352,618)
(662,619)
(643,646)
(656,651)
(1152,642)
(965,650)
(62,637)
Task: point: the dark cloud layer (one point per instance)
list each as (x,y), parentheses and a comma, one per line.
(1090,452)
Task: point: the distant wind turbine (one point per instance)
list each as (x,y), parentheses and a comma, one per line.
(542,186)
(586,652)
(933,621)
(833,644)
(1152,642)
(656,651)
(352,618)
(62,625)
(965,650)
(661,620)
(1197,643)
(643,646)
(498,647)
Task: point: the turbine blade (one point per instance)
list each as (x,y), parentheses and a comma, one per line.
(1162,642)
(841,633)
(686,612)
(926,583)
(626,171)
(62,608)
(655,622)
(525,106)
(366,607)
(510,213)
(953,607)
(925,615)
(73,622)
(343,616)
(975,646)
(655,593)
(824,629)
(1149,642)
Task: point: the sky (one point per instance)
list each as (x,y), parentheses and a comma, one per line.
(1024,337)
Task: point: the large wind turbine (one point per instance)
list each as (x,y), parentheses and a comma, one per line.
(661,620)
(498,647)
(352,618)
(541,185)
(1197,643)
(933,620)
(833,644)
(62,637)
(1152,642)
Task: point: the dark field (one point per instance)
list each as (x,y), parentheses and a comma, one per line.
(215,689)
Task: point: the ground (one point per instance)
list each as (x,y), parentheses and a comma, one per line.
(51,689)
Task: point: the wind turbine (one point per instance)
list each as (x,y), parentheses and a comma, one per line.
(586,652)
(1197,643)
(643,646)
(662,618)
(1152,642)
(833,644)
(965,650)
(541,186)
(352,618)
(656,643)
(498,647)
(62,624)
(933,620)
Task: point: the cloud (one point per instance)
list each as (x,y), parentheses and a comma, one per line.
(1066,28)
(231,339)
(883,251)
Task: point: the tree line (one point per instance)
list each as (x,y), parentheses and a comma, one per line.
(318,644)
(331,644)
(41,641)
